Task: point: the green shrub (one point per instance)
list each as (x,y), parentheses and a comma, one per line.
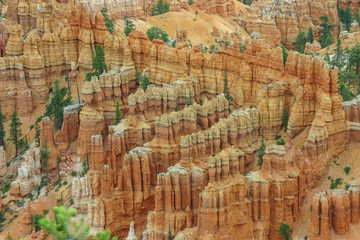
(335,183)
(73,174)
(261,153)
(347,170)
(280,142)
(157,33)
(65,228)
(285,231)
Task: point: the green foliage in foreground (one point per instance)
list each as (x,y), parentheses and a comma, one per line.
(63,228)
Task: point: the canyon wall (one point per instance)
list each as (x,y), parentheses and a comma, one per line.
(279,22)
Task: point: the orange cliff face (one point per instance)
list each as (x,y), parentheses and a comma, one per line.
(304,83)
(182,158)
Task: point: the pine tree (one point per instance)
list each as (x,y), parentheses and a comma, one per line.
(325,39)
(357,15)
(170,237)
(2,128)
(99,64)
(261,153)
(346,19)
(44,157)
(300,42)
(285,231)
(227,94)
(338,60)
(117,119)
(355,59)
(37,134)
(310,36)
(327,57)
(15,132)
(129,26)
(285,119)
(285,54)
(24,143)
(109,24)
(55,108)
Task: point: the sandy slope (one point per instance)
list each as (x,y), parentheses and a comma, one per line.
(350,157)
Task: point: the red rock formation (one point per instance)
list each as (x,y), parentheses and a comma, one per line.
(70,127)
(15,95)
(224,8)
(14,46)
(47,137)
(100,97)
(334,208)
(281,21)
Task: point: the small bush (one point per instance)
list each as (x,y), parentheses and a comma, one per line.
(71,201)
(285,231)
(347,170)
(45,211)
(347,186)
(280,142)
(73,174)
(157,33)
(277,137)
(335,183)
(5,188)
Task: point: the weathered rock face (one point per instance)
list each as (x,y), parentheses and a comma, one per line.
(186,139)
(272,106)
(353,4)
(3,166)
(223,8)
(14,46)
(47,137)
(70,128)
(336,209)
(100,96)
(28,174)
(281,21)
(15,95)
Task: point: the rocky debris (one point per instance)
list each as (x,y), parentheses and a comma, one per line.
(28,174)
